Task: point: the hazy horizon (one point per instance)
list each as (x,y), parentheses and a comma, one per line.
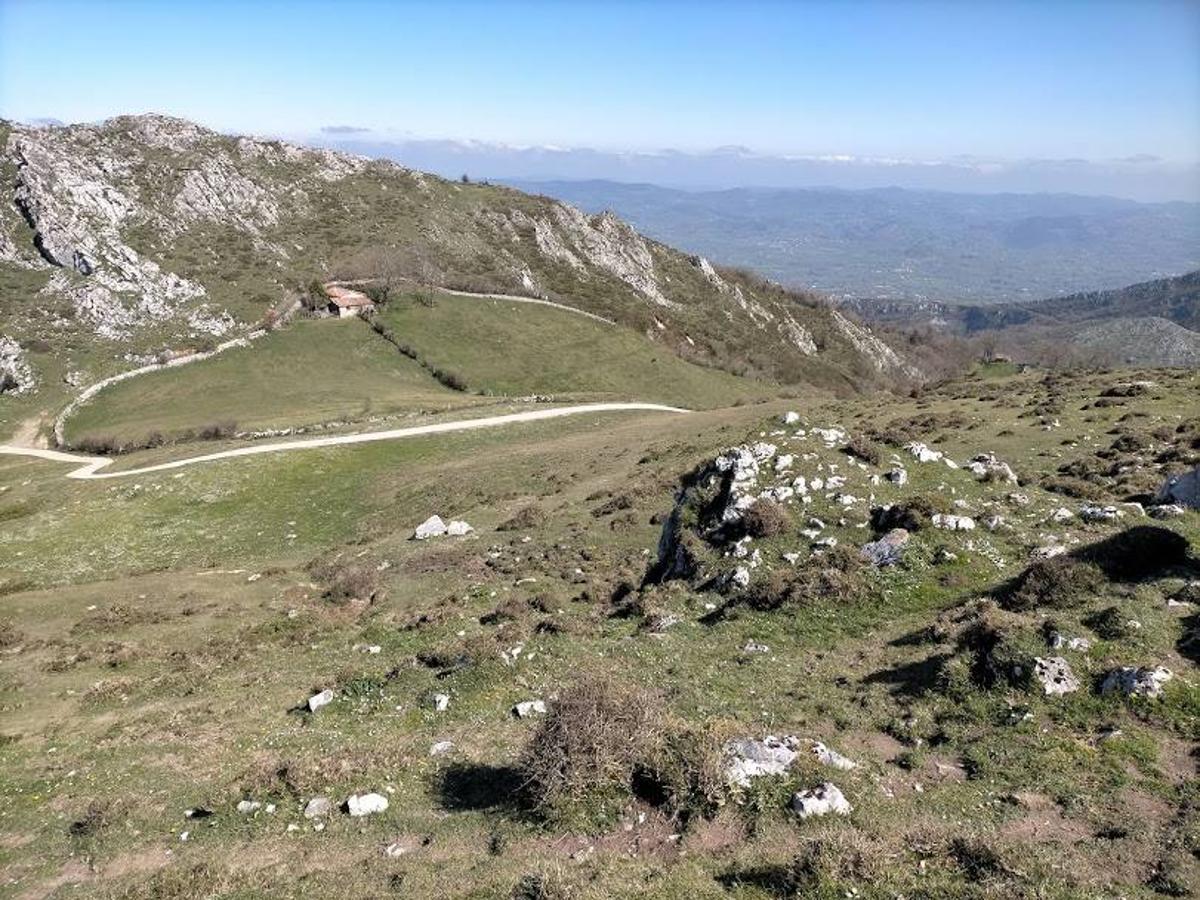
(1094,98)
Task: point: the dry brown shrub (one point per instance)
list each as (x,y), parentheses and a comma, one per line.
(591,742)
(765,518)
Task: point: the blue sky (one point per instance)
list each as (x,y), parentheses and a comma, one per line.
(1096,80)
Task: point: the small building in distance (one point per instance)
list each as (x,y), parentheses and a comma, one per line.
(344,302)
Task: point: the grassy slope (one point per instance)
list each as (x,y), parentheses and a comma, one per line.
(320,371)
(305,374)
(515,349)
(172,691)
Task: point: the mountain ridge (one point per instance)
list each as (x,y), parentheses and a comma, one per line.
(150,231)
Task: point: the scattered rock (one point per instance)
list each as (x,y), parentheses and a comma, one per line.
(791,418)
(1055,675)
(820,801)
(1092,513)
(898,476)
(740,577)
(441,748)
(358,805)
(245,807)
(1166,511)
(755,647)
(1139,681)
(435,527)
(952,522)
(441,702)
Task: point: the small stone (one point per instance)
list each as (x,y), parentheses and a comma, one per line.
(359,805)
(740,577)
(399,847)
(755,647)
(316,701)
(898,476)
(441,747)
(457,528)
(527,708)
(245,807)
(1166,511)
(791,418)
(828,757)
(318,807)
(441,702)
(953,523)
(820,801)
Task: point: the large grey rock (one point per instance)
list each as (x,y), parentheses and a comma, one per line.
(431,527)
(888,550)
(1182,489)
(749,758)
(1136,681)
(1055,676)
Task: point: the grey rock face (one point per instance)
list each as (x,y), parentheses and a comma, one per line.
(1182,489)
(888,550)
(16,375)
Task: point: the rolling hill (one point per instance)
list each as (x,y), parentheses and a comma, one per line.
(1155,323)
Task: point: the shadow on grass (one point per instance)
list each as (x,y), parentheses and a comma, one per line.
(479,787)
(773,880)
(911,679)
(1188,644)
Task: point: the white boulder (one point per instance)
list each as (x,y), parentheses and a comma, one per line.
(1139,681)
(316,701)
(821,801)
(359,805)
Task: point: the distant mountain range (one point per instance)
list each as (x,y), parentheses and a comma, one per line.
(912,245)
(1155,323)
(1141,177)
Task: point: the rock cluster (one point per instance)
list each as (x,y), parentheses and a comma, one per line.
(434,526)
